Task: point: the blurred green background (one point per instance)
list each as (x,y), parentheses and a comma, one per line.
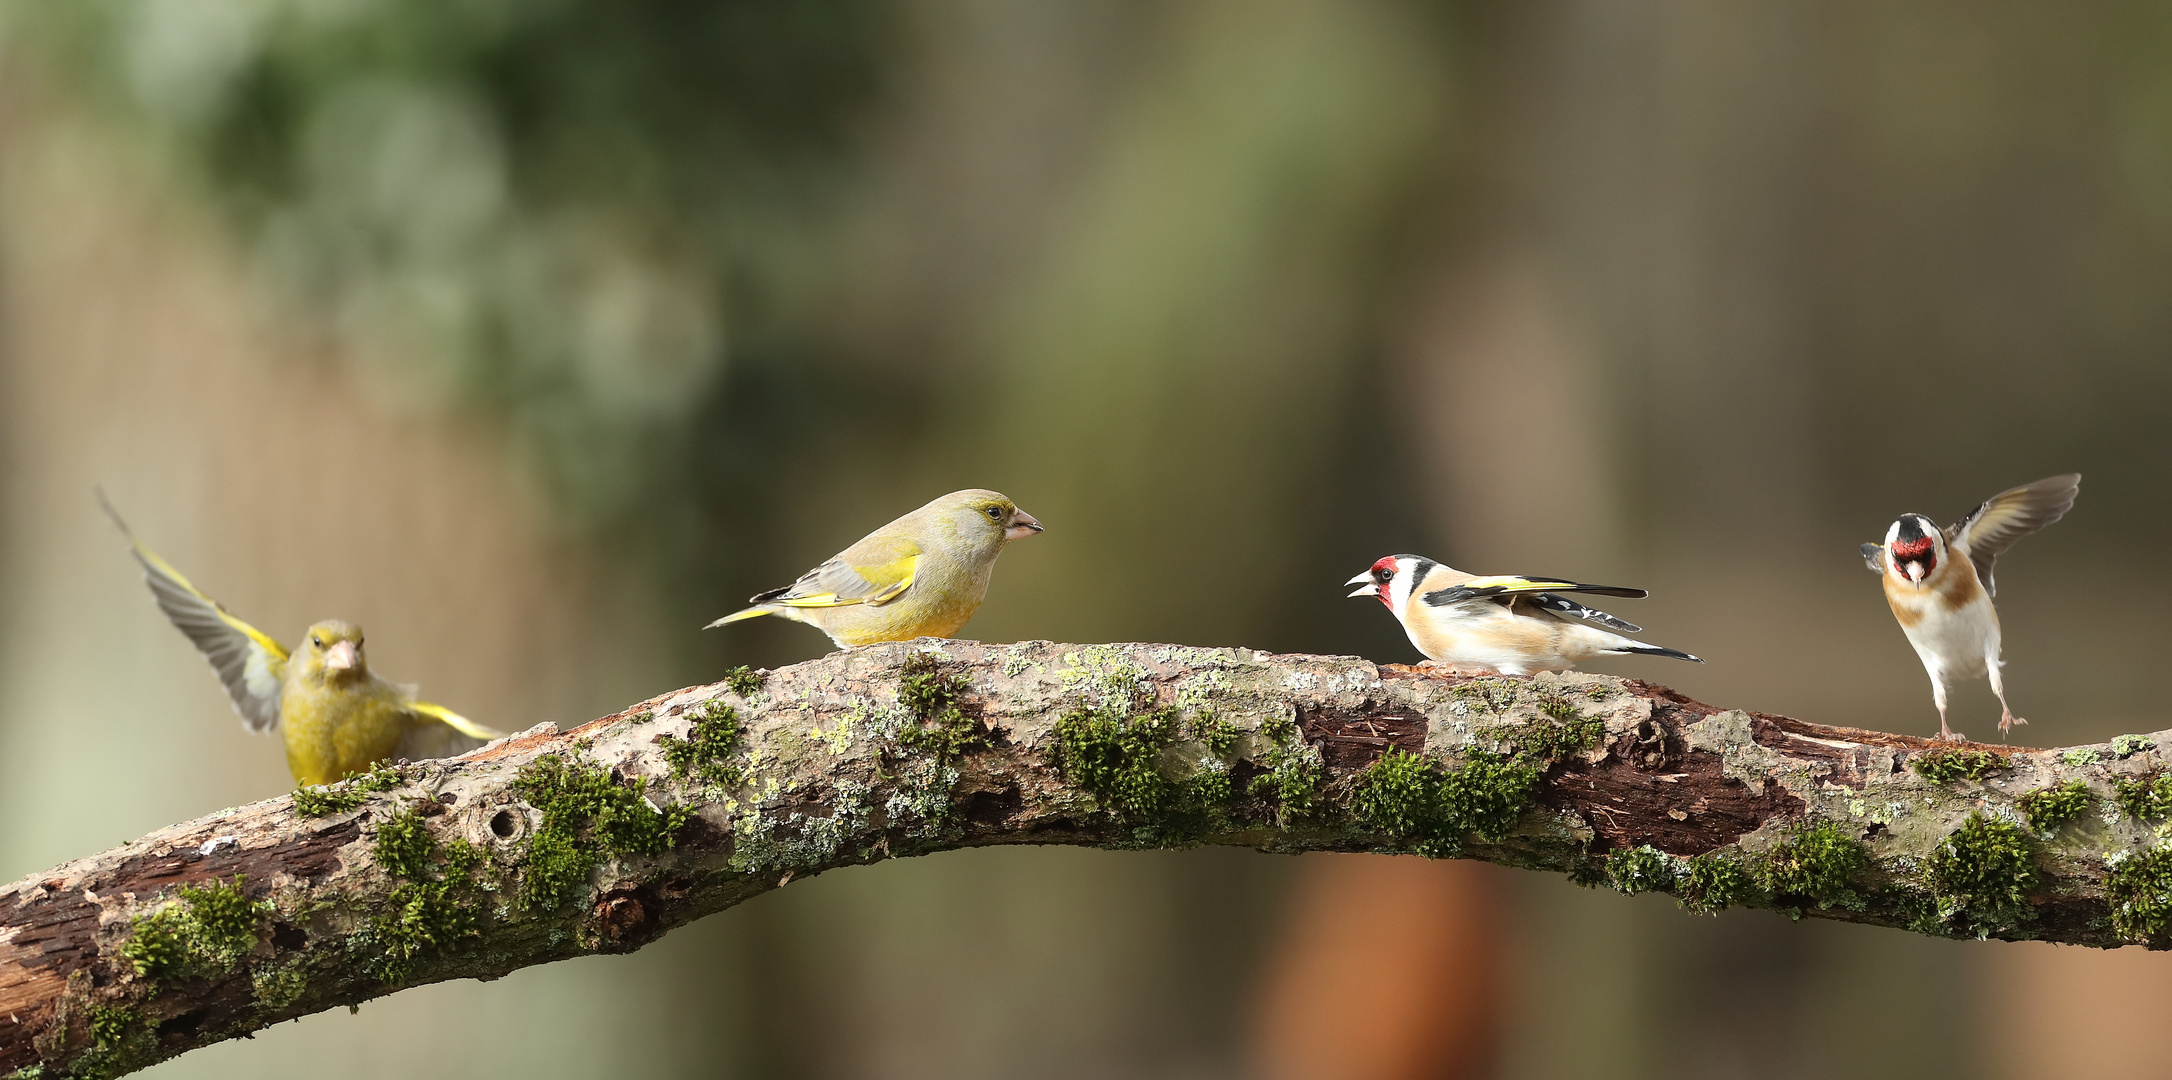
(532,336)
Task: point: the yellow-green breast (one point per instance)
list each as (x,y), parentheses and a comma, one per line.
(333,732)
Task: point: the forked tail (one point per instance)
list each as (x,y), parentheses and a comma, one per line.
(1659,650)
(737,616)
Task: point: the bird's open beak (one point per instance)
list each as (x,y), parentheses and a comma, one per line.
(342,656)
(1365,585)
(1914,570)
(1022,525)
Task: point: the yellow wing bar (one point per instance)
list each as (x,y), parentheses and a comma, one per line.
(454,720)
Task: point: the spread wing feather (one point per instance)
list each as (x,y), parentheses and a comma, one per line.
(249,663)
(2010,515)
(454,720)
(451,736)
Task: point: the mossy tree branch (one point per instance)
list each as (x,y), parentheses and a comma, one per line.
(550,845)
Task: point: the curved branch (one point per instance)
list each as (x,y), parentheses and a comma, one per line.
(549,845)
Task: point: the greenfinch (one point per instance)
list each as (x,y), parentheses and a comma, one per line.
(922,575)
(338,718)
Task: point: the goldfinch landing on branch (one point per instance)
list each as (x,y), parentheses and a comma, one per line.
(1939,583)
(1511,625)
(922,575)
(337,717)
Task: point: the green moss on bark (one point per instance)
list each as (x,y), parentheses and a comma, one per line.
(1982,874)
(742,680)
(939,728)
(1404,795)
(1122,761)
(587,817)
(1208,729)
(1817,864)
(2147,798)
(1714,883)
(205,932)
(277,988)
(347,794)
(122,1041)
(436,908)
(2052,807)
(1565,731)
(1947,766)
(708,752)
(2139,889)
(404,845)
(1295,772)
(1643,868)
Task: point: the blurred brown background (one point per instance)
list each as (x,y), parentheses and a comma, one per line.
(533,335)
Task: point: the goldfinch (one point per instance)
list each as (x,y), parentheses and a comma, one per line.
(336,716)
(1507,625)
(922,575)
(1939,584)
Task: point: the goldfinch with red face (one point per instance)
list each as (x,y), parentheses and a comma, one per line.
(922,575)
(1939,585)
(336,716)
(1507,625)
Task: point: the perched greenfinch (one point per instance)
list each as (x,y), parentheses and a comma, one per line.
(922,575)
(337,717)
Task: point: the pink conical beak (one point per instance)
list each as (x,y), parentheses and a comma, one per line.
(1022,525)
(342,656)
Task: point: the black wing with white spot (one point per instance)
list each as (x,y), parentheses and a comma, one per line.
(1555,602)
(1504,587)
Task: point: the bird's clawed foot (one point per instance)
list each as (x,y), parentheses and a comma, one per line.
(2007,722)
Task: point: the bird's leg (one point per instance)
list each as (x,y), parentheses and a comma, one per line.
(2007,719)
(1938,695)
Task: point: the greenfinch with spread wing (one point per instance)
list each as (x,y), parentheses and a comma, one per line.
(338,718)
(922,575)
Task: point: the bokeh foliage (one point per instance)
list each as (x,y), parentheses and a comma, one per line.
(558,213)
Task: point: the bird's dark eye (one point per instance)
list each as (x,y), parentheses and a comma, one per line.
(995,512)
(317,641)
(1385,576)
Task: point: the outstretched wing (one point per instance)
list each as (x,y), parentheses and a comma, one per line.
(2010,515)
(1874,557)
(1556,602)
(1488,588)
(454,720)
(874,571)
(451,736)
(249,663)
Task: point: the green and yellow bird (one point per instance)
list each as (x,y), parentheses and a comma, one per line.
(922,575)
(337,717)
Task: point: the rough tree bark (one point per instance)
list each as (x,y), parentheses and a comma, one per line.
(549,845)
